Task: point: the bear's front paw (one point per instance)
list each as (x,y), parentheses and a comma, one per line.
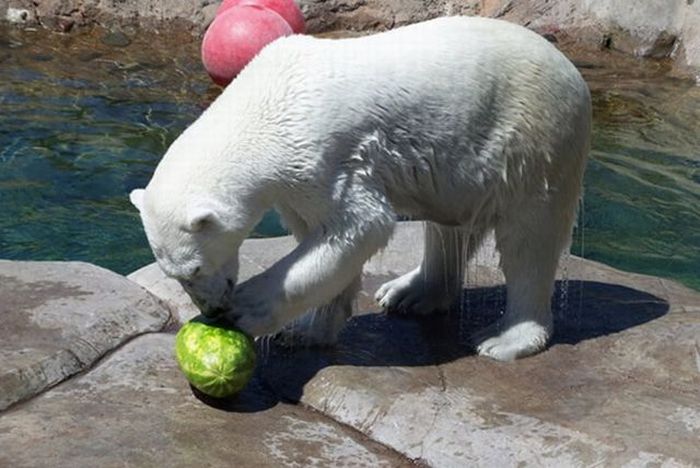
(317,328)
(255,309)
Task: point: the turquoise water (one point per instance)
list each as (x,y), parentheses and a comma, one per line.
(82,123)
(642,202)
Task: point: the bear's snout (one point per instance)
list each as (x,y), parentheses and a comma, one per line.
(212,312)
(206,307)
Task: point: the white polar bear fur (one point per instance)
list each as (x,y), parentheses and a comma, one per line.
(467,123)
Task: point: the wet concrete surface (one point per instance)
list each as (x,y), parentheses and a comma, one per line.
(136,409)
(619,383)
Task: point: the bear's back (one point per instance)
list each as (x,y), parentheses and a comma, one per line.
(452,63)
(431,50)
(468,93)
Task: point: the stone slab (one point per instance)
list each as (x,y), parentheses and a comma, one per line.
(136,409)
(167,289)
(58,318)
(620,384)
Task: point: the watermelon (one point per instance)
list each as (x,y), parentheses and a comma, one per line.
(216,359)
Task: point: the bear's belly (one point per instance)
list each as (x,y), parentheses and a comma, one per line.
(445,188)
(450,208)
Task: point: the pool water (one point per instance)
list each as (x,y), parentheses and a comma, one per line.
(84,119)
(82,123)
(641,209)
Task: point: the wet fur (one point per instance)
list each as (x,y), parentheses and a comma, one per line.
(471,124)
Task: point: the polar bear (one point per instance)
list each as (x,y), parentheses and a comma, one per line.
(470,124)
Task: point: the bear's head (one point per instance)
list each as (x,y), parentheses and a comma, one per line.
(195,240)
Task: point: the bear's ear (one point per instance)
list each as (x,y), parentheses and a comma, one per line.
(136,197)
(199,215)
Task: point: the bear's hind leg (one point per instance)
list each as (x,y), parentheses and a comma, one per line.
(530,241)
(435,284)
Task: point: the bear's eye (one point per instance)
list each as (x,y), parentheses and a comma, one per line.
(195,272)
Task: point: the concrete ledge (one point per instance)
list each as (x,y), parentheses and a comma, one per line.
(619,385)
(136,409)
(58,318)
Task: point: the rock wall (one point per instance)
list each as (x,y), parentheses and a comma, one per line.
(652,28)
(646,28)
(65,15)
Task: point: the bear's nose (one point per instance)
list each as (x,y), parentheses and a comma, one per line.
(205,308)
(212,312)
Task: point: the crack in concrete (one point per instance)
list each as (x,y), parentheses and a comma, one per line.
(442,378)
(69,376)
(362,436)
(82,342)
(444,403)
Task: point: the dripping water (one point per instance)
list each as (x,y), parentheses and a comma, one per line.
(582,214)
(500,290)
(562,308)
(463,288)
(263,347)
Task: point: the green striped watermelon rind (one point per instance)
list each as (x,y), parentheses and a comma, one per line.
(217,360)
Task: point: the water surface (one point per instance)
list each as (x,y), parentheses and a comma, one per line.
(642,202)
(82,123)
(85,119)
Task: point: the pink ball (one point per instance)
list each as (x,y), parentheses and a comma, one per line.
(236,36)
(287,9)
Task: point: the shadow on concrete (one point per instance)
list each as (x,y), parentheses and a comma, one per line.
(582,310)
